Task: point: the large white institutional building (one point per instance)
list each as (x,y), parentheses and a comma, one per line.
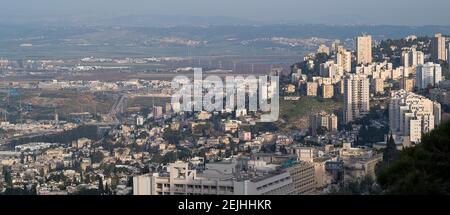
(228,178)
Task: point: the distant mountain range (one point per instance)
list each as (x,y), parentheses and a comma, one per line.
(171,20)
(131,20)
(184,36)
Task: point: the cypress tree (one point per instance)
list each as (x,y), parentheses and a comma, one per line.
(101,189)
(390,154)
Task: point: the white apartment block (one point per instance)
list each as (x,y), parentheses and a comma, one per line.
(312,88)
(412,115)
(331,69)
(323,119)
(411,57)
(356,96)
(438,49)
(428,74)
(344,60)
(364,49)
(384,71)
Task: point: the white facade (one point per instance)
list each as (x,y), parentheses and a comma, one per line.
(428,74)
(139,120)
(216,179)
(356,97)
(412,115)
(322,119)
(364,49)
(344,60)
(438,49)
(412,57)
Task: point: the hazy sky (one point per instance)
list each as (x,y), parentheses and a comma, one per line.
(405,12)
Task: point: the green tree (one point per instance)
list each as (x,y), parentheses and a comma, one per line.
(322,130)
(171,136)
(390,153)
(424,169)
(170,157)
(97,157)
(101,189)
(107,189)
(7,175)
(365,185)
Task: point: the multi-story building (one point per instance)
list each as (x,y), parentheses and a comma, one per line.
(168,108)
(323,49)
(306,154)
(438,50)
(412,115)
(139,120)
(359,162)
(344,60)
(228,178)
(381,70)
(364,49)
(290,88)
(323,177)
(322,119)
(311,88)
(245,136)
(411,57)
(336,46)
(407,84)
(157,111)
(356,97)
(180,179)
(428,74)
(331,69)
(378,86)
(327,91)
(303,178)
